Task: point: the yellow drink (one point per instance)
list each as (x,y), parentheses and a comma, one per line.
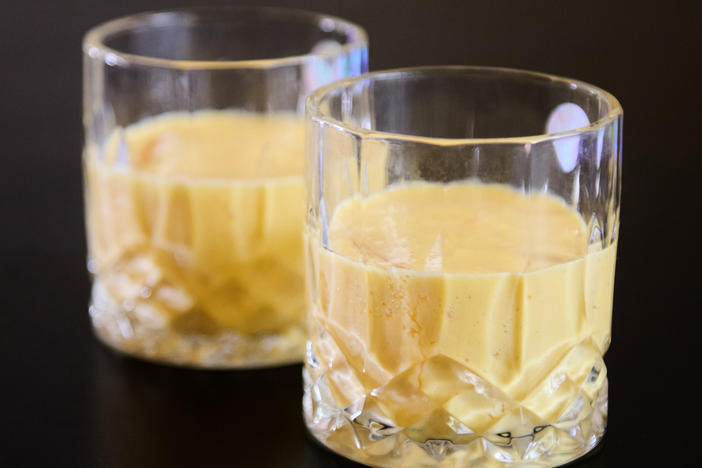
(450,312)
(194,232)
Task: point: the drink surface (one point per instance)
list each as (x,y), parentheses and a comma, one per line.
(445,312)
(194,230)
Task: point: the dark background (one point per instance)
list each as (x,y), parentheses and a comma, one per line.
(67,401)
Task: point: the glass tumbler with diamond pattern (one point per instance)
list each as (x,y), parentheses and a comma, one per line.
(460,242)
(194,193)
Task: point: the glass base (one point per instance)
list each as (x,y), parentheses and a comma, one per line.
(146,337)
(362,433)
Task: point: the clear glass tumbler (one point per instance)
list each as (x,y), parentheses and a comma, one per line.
(460,245)
(193,165)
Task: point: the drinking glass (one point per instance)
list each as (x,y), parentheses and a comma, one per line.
(461,240)
(193,170)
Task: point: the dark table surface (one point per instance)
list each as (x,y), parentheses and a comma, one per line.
(68,401)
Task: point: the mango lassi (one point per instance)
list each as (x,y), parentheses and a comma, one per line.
(457,324)
(194,230)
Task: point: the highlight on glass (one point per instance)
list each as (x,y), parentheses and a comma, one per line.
(461,239)
(193,169)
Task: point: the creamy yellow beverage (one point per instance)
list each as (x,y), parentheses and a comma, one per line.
(442,313)
(194,231)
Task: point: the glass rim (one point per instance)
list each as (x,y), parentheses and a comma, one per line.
(315,99)
(94,39)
